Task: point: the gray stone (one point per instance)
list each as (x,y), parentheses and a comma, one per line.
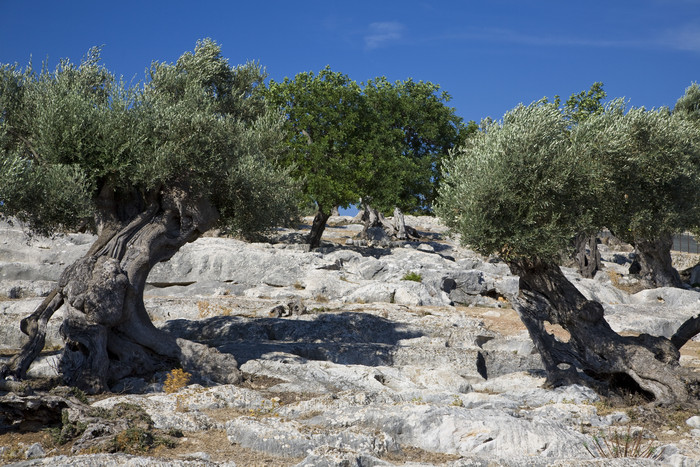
(426,248)
(376,361)
(328,456)
(35,450)
(101,460)
(294,439)
(693,422)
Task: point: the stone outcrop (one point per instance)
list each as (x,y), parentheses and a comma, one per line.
(351,355)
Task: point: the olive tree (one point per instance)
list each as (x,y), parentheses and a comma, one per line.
(150,167)
(523,188)
(650,182)
(688,105)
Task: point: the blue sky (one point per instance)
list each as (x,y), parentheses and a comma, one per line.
(489,55)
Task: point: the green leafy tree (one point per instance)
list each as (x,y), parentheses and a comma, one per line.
(420,130)
(154,166)
(381,142)
(579,107)
(522,188)
(325,118)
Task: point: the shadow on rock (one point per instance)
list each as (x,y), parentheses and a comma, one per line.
(344,338)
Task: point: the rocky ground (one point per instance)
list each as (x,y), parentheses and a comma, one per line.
(353,354)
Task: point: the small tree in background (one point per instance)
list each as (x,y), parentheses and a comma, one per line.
(522,189)
(420,130)
(154,166)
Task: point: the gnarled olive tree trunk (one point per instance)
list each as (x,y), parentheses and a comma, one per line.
(595,354)
(107,332)
(374,221)
(654,257)
(586,254)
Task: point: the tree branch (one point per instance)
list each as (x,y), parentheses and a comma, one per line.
(686,331)
(35,155)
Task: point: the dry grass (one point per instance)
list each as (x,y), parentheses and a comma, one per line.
(616,279)
(505,321)
(216,444)
(176,380)
(418,455)
(208,309)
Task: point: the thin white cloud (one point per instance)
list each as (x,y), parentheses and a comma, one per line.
(381,34)
(683,38)
(516,37)
(680,38)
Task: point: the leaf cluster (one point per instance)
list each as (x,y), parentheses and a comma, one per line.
(514,187)
(648,177)
(378,141)
(523,187)
(68,134)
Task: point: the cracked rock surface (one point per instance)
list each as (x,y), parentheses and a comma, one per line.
(345,361)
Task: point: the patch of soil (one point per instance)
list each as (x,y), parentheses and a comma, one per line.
(414,454)
(16,443)
(504,321)
(216,444)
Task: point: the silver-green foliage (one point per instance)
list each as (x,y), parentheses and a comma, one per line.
(689,104)
(648,180)
(523,187)
(515,187)
(200,124)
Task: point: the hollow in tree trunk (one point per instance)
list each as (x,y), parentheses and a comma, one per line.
(107,332)
(654,257)
(586,255)
(595,354)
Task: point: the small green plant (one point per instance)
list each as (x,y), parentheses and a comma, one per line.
(78,394)
(67,431)
(457,401)
(412,276)
(615,445)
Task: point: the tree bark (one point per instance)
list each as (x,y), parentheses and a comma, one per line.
(654,257)
(317,228)
(595,354)
(587,256)
(396,229)
(107,332)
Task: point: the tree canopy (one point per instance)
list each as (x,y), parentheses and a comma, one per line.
(381,140)
(154,165)
(526,185)
(70,134)
(515,188)
(523,188)
(649,177)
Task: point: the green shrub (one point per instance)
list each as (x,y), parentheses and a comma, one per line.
(412,276)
